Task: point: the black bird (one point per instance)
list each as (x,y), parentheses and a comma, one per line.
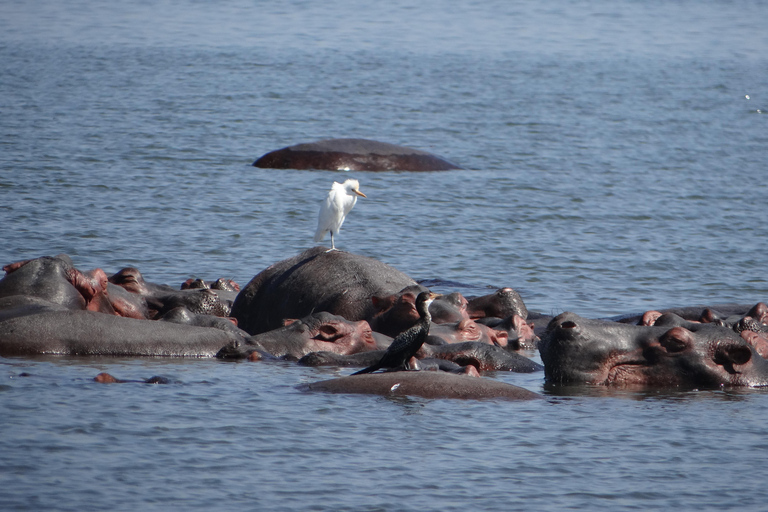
(407,343)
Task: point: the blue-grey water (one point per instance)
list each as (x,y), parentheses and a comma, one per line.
(615,157)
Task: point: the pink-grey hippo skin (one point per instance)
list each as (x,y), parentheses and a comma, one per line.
(353,155)
(316,332)
(504,310)
(466,330)
(56,280)
(679,354)
(482,356)
(397,312)
(448,308)
(338,282)
(198,297)
(425,384)
(752,326)
(47,306)
(520,334)
(503,303)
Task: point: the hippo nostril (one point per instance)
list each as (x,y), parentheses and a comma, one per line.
(568,324)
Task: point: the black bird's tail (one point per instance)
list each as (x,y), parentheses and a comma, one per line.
(370,369)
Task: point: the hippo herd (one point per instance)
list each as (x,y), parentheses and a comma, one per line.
(334,308)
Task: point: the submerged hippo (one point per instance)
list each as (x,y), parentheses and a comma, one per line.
(426,384)
(482,356)
(679,353)
(352,155)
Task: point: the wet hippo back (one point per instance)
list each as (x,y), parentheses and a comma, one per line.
(316,280)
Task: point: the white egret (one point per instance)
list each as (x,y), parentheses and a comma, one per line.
(335,209)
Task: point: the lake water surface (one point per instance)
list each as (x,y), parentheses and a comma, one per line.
(614,161)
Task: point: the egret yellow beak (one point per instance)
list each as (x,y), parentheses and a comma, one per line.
(359,193)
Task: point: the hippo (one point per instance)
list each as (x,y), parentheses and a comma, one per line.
(706,314)
(338,282)
(520,334)
(182,315)
(106,378)
(30,325)
(425,384)
(54,279)
(466,330)
(678,354)
(320,331)
(451,307)
(352,155)
(396,312)
(503,303)
(752,326)
(195,294)
(482,356)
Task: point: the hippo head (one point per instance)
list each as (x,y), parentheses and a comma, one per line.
(131,279)
(314,333)
(326,332)
(578,350)
(502,303)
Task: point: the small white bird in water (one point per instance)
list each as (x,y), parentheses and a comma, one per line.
(335,209)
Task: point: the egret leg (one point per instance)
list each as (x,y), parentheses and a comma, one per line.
(333,245)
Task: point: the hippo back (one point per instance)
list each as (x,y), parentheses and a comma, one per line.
(316,280)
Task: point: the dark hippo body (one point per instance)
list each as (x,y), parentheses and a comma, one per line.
(338,282)
(680,353)
(54,279)
(426,384)
(482,356)
(352,155)
(316,332)
(30,326)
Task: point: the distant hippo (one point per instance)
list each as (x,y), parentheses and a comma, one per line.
(679,353)
(353,155)
(338,282)
(426,384)
(320,331)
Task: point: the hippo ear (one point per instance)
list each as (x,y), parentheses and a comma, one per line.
(677,339)
(729,354)
(326,332)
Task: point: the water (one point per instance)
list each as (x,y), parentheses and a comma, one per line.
(615,156)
